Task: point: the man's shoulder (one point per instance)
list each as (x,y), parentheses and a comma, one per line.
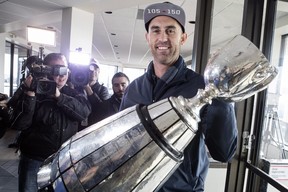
(192,75)
(99,86)
(103,87)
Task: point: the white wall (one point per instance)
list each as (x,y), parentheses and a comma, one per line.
(215,181)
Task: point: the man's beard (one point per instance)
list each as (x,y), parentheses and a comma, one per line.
(119,95)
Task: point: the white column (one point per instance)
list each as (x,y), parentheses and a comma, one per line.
(77,31)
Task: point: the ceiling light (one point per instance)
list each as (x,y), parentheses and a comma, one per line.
(41,36)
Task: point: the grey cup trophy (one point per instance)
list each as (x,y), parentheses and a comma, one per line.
(139,148)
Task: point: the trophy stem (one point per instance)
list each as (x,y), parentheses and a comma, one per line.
(203,97)
(188,109)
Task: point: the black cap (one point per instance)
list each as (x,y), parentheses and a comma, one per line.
(164,9)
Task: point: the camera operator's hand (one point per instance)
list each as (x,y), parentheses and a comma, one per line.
(28,81)
(88,89)
(3,103)
(27,84)
(57,93)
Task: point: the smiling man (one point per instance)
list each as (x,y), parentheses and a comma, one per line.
(167,75)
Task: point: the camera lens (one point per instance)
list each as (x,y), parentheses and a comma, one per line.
(80,78)
(80,75)
(46,87)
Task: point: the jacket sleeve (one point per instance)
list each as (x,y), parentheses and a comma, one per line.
(96,98)
(77,107)
(218,123)
(24,113)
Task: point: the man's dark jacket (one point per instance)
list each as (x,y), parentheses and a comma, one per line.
(217,128)
(105,109)
(46,123)
(100,94)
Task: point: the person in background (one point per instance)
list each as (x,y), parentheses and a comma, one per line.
(167,75)
(96,92)
(14,101)
(46,121)
(111,106)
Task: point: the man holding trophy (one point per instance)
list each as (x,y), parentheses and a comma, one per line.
(167,75)
(157,142)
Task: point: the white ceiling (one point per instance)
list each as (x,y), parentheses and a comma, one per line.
(132,50)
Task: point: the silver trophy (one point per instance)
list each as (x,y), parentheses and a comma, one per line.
(139,148)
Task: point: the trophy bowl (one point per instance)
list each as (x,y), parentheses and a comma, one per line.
(239,70)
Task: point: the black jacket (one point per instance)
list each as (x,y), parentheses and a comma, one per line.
(100,93)
(105,109)
(217,129)
(46,123)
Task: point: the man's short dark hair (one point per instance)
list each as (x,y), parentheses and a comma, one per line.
(53,56)
(120,74)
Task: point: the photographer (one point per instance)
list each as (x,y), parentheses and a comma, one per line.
(46,120)
(96,92)
(14,101)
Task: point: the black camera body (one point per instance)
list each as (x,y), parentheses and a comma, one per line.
(42,82)
(79,76)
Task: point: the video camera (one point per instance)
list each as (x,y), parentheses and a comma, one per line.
(79,74)
(42,82)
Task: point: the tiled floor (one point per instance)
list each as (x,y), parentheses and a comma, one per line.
(8,163)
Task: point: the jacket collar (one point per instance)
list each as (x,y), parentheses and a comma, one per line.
(170,74)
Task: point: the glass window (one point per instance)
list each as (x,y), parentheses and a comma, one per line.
(19,55)
(222,30)
(275,125)
(7,68)
(106,74)
(274,142)
(275,130)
